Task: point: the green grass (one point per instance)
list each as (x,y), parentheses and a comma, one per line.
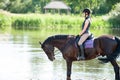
(5,20)
(49,21)
(46,21)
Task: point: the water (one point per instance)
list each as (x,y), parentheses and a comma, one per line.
(21,58)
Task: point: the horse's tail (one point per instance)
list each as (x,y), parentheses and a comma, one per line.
(114,55)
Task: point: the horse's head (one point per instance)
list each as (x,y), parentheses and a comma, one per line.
(57,41)
(49,50)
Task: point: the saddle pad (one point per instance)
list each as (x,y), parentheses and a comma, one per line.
(89,43)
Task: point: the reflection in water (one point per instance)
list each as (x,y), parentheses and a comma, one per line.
(40,68)
(14,61)
(21,58)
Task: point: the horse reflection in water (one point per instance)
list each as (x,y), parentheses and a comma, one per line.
(104,45)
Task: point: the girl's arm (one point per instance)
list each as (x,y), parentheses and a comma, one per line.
(85,27)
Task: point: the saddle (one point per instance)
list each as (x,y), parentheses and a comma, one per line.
(89,43)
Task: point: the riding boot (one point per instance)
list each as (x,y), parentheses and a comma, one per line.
(82,56)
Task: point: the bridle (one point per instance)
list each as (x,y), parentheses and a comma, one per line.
(47,49)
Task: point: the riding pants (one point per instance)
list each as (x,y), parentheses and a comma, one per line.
(83,38)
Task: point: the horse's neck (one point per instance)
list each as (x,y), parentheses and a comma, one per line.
(59,43)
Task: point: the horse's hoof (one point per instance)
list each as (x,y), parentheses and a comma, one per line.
(68,78)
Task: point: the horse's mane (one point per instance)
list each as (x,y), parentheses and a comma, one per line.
(55,37)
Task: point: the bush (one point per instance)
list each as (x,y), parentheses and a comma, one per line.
(115,16)
(50,22)
(5,19)
(28,21)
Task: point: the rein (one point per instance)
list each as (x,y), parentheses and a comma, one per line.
(48,49)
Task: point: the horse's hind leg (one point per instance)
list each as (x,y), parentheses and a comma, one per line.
(116,69)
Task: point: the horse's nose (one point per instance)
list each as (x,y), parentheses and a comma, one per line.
(52,58)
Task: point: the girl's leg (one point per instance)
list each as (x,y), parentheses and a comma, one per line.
(82,39)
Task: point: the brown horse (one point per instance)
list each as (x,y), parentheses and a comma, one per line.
(105,45)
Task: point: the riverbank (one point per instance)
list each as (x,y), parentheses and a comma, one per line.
(49,21)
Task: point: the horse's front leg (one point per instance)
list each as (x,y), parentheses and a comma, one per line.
(69,66)
(116,69)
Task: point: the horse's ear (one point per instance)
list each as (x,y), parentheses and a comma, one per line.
(40,43)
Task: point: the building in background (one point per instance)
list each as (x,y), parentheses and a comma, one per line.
(57,7)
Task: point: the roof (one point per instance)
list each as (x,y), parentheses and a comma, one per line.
(56,5)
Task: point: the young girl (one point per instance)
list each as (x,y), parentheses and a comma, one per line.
(84,34)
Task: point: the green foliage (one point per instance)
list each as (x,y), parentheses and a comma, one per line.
(23,6)
(106,6)
(58,22)
(79,5)
(115,21)
(115,16)
(100,22)
(53,22)
(32,6)
(19,6)
(49,21)
(5,20)
(26,21)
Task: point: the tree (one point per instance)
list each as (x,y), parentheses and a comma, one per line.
(25,6)
(4,4)
(78,5)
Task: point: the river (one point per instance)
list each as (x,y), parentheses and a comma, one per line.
(21,58)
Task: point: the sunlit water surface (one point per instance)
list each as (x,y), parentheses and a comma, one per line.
(21,58)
